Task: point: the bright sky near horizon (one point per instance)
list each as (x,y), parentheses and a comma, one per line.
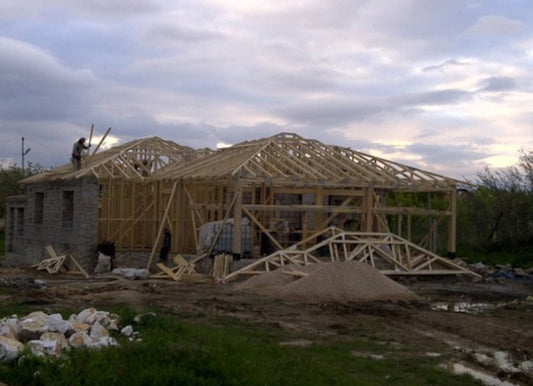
(446,86)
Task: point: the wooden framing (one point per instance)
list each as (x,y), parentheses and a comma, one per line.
(135,160)
(289,188)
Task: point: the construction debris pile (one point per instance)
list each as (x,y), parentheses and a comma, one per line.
(340,281)
(502,272)
(49,334)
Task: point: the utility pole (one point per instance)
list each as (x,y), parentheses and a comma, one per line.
(24,152)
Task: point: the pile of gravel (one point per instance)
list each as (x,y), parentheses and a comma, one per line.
(343,281)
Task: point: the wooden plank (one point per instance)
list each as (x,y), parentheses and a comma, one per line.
(295,273)
(168,271)
(101,141)
(80,268)
(221,267)
(179,260)
(160,231)
(221,228)
(51,252)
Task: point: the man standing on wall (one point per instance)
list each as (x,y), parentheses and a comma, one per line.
(77,149)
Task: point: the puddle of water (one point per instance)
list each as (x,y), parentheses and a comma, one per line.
(487,379)
(465,307)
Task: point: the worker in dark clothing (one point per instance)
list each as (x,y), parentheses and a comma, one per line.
(77,150)
(167,238)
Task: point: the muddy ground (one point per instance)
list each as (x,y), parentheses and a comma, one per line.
(486,326)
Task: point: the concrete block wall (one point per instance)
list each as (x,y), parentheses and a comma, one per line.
(78,237)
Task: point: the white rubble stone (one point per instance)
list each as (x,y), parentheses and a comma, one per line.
(97,331)
(56,323)
(502,362)
(127,330)
(483,358)
(79,327)
(79,339)
(87,315)
(52,335)
(36,315)
(104,341)
(10,349)
(39,283)
(10,327)
(32,326)
(44,347)
(110,322)
(526,366)
(57,337)
(138,318)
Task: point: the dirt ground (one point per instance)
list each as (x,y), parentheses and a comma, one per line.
(485,326)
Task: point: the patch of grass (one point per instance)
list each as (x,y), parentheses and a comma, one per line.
(7,291)
(183,352)
(14,309)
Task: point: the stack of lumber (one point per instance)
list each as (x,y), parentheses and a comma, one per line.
(221,267)
(55,263)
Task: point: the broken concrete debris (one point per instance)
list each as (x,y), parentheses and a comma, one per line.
(50,335)
(131,273)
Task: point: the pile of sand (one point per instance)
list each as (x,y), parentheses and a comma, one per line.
(344,281)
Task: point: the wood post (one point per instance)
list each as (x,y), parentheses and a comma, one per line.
(162,224)
(237,216)
(369,208)
(452,224)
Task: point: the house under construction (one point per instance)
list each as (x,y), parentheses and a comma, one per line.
(249,200)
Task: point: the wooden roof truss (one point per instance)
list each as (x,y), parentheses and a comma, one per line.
(135,160)
(288,159)
(386,252)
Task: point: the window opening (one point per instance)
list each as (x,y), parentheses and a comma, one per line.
(68,209)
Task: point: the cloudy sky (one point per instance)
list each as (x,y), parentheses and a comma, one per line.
(442,85)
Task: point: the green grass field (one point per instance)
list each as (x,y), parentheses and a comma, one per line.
(176,351)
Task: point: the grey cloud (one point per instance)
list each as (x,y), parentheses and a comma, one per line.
(437,97)
(315,68)
(498,84)
(35,86)
(175,33)
(496,26)
(447,153)
(80,9)
(302,80)
(331,111)
(458,161)
(450,63)
(340,111)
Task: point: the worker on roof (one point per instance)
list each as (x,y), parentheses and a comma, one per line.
(77,149)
